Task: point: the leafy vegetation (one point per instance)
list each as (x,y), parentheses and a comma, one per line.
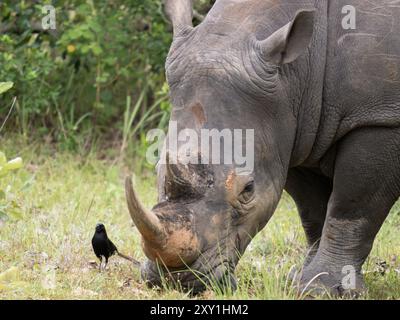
(73,83)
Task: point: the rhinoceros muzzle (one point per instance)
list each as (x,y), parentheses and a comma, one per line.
(174,249)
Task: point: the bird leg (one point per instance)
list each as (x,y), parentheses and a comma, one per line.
(101,262)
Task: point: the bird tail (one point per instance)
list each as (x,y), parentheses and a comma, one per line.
(134,261)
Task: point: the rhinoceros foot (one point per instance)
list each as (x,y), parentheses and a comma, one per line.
(318,281)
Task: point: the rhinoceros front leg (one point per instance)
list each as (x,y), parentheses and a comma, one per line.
(366,186)
(311,193)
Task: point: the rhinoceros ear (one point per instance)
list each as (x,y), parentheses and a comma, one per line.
(289,42)
(180,13)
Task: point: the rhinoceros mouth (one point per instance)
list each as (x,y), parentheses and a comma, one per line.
(195,278)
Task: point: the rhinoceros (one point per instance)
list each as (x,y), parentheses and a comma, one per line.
(323,98)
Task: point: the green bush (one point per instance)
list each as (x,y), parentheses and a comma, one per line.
(74,83)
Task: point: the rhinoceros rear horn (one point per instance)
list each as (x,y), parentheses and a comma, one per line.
(146,221)
(180,13)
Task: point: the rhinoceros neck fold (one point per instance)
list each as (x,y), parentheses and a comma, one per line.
(311,68)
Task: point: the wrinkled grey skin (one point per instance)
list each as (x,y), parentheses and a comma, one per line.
(325,106)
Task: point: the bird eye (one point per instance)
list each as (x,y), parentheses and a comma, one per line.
(248,193)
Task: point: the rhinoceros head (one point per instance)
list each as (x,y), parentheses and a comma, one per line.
(220,78)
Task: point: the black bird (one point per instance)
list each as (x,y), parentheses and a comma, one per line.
(102,246)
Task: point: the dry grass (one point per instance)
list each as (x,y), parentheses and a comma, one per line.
(46,253)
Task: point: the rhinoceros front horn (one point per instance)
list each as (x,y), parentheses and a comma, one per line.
(146,221)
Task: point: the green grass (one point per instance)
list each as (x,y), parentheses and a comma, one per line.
(47,252)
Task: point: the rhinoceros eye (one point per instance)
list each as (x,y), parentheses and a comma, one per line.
(248,193)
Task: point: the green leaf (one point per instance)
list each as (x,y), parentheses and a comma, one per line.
(3,215)
(3,159)
(96,49)
(5,86)
(14,164)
